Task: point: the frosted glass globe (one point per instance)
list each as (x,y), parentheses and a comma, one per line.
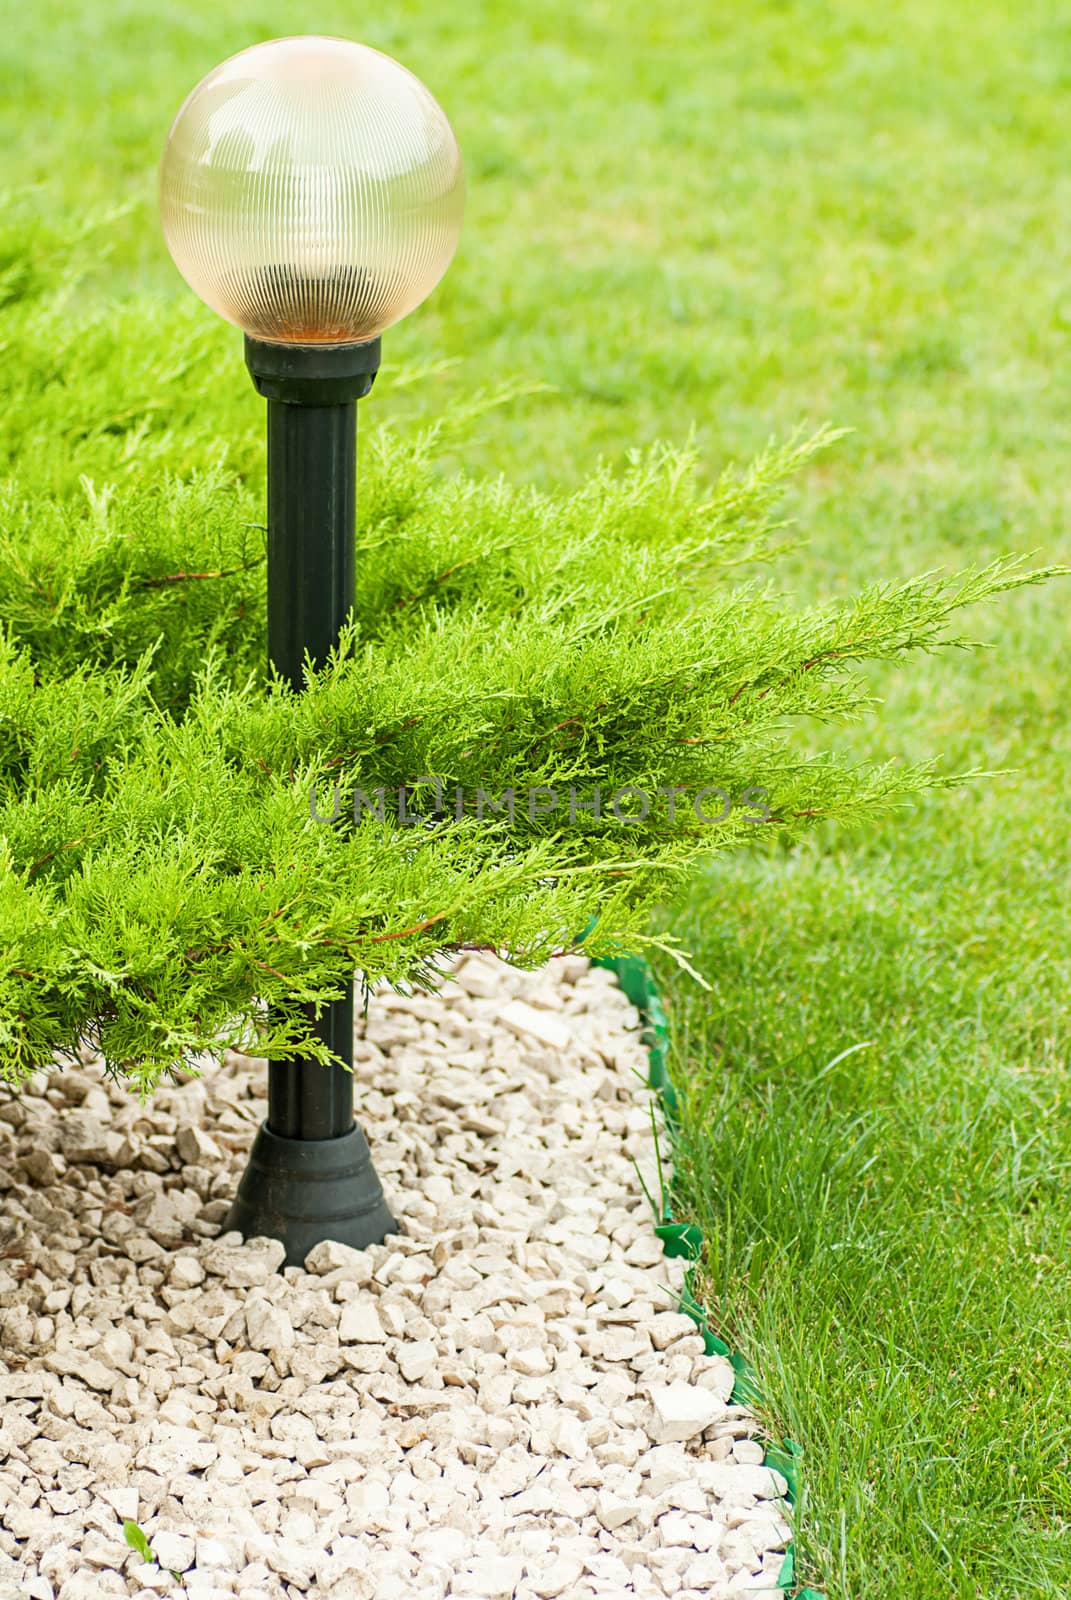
(311,191)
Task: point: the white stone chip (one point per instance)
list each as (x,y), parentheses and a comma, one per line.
(681,1410)
(613,1509)
(360,1322)
(123,1501)
(416,1360)
(332,1256)
(268,1327)
(244,1267)
(560,1577)
(543,1027)
(173,1550)
(80,1364)
(197,1147)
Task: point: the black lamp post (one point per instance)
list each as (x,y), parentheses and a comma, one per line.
(312,193)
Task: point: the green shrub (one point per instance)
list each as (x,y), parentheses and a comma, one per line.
(162,878)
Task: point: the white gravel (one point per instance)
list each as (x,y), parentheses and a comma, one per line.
(497,1403)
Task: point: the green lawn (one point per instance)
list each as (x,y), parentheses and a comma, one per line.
(734,219)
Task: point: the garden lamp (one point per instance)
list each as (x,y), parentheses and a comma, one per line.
(311,193)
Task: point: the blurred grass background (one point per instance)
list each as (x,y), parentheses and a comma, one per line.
(729,221)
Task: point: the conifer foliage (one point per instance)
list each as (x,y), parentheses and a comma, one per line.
(168,866)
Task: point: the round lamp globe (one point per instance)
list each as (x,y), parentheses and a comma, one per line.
(311,191)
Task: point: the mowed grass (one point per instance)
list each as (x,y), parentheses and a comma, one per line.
(730,220)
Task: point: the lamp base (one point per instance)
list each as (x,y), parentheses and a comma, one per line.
(303,1191)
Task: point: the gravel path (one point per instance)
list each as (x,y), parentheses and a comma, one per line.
(495,1404)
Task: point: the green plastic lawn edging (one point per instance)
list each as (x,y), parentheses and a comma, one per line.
(685,1239)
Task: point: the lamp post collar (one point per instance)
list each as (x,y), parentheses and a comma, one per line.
(312,374)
